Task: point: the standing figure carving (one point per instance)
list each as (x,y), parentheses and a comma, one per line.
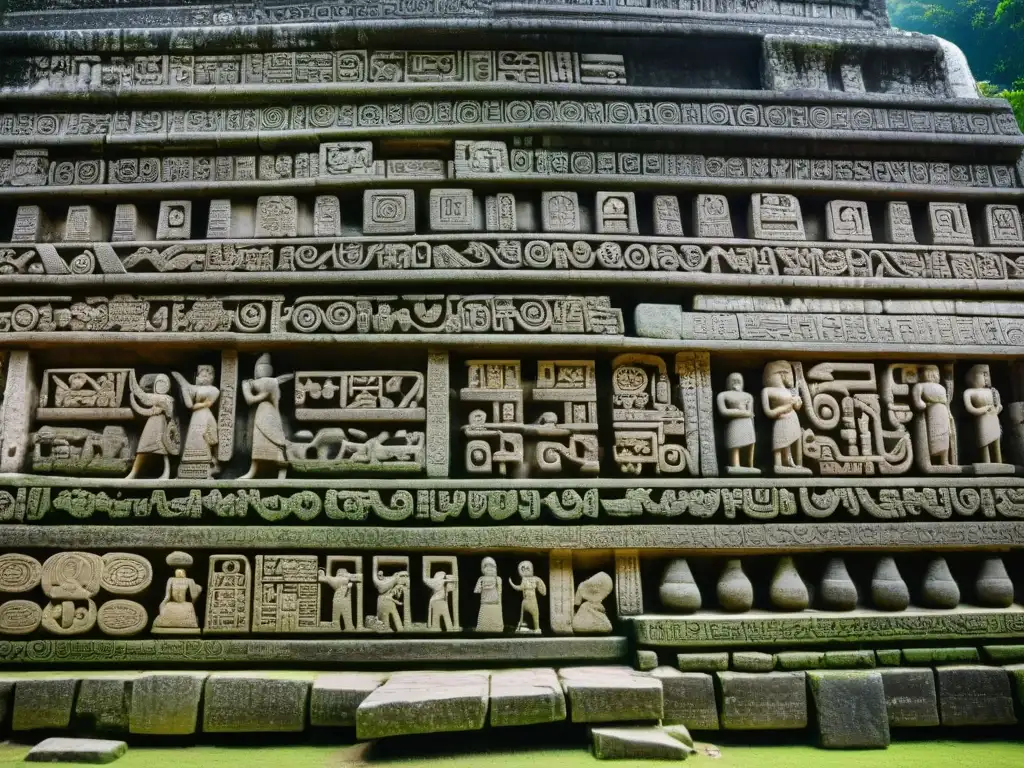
(341,605)
(488,586)
(982,402)
(198,455)
(268,438)
(160,436)
(930,397)
(439,614)
(780,402)
(529,585)
(391,592)
(737,407)
(177,610)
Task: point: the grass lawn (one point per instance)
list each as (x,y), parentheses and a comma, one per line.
(454,752)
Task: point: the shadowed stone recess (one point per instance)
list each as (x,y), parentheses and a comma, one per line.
(104,703)
(611,694)
(526,697)
(424,702)
(971,695)
(762,701)
(250,703)
(166,704)
(64,750)
(43,703)
(850,709)
(910,697)
(334,698)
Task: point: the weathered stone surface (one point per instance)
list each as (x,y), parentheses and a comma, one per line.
(646,660)
(658,321)
(424,702)
(850,659)
(689,698)
(910,697)
(636,743)
(526,697)
(919,656)
(1016,673)
(334,698)
(762,700)
(611,694)
(43,703)
(753,661)
(65,750)
(104,702)
(251,702)
(166,703)
(850,709)
(717,661)
(889,657)
(800,660)
(970,695)
(679,732)
(6,699)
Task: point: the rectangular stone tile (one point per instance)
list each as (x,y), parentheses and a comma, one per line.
(254,702)
(526,697)
(753,661)
(910,697)
(1004,654)
(424,702)
(166,703)
(689,698)
(717,661)
(971,695)
(611,694)
(889,657)
(65,750)
(850,659)
(850,709)
(104,702)
(334,698)
(762,700)
(636,743)
(928,656)
(43,703)
(786,660)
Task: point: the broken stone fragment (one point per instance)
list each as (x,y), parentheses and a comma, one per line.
(637,743)
(65,750)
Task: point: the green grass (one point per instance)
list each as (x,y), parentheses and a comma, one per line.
(408,754)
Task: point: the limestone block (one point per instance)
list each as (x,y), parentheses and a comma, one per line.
(668,221)
(104,702)
(615,213)
(30,225)
(560,212)
(6,699)
(850,659)
(847,220)
(218,224)
(899,227)
(949,224)
(763,700)
(775,217)
(326,216)
(800,659)
(889,657)
(166,703)
(679,732)
(452,210)
(251,702)
(910,697)
(175,220)
(43,703)
(970,695)
(1016,673)
(928,656)
(646,660)
(611,694)
(500,214)
(753,661)
(389,212)
(424,702)
(711,216)
(1004,654)
(712,661)
(277,216)
(658,321)
(65,750)
(334,698)
(29,168)
(526,697)
(83,225)
(129,225)
(1003,225)
(851,709)
(636,743)
(689,697)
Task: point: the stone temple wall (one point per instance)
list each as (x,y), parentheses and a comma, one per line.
(676,338)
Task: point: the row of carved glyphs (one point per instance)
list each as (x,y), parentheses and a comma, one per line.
(770,217)
(353,161)
(419,507)
(287,594)
(838,418)
(288,68)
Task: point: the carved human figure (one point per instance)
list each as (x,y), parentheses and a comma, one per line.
(530,586)
(737,407)
(982,401)
(341,606)
(201,437)
(488,586)
(160,435)
(780,402)
(930,397)
(439,615)
(391,593)
(590,613)
(268,438)
(177,610)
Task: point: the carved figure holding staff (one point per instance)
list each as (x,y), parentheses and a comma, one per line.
(160,436)
(268,438)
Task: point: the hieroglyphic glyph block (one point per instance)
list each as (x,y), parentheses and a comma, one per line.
(847,220)
(175,220)
(949,224)
(389,212)
(1003,225)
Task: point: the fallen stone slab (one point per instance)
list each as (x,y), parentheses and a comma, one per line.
(910,697)
(689,698)
(850,708)
(255,702)
(679,732)
(334,698)
(636,743)
(970,695)
(526,697)
(424,702)
(611,694)
(763,700)
(166,703)
(43,703)
(65,750)
(104,702)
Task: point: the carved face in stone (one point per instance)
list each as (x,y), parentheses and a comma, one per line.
(161,384)
(263,371)
(526,568)
(778,374)
(931,374)
(734,381)
(979,376)
(488,567)
(204,376)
